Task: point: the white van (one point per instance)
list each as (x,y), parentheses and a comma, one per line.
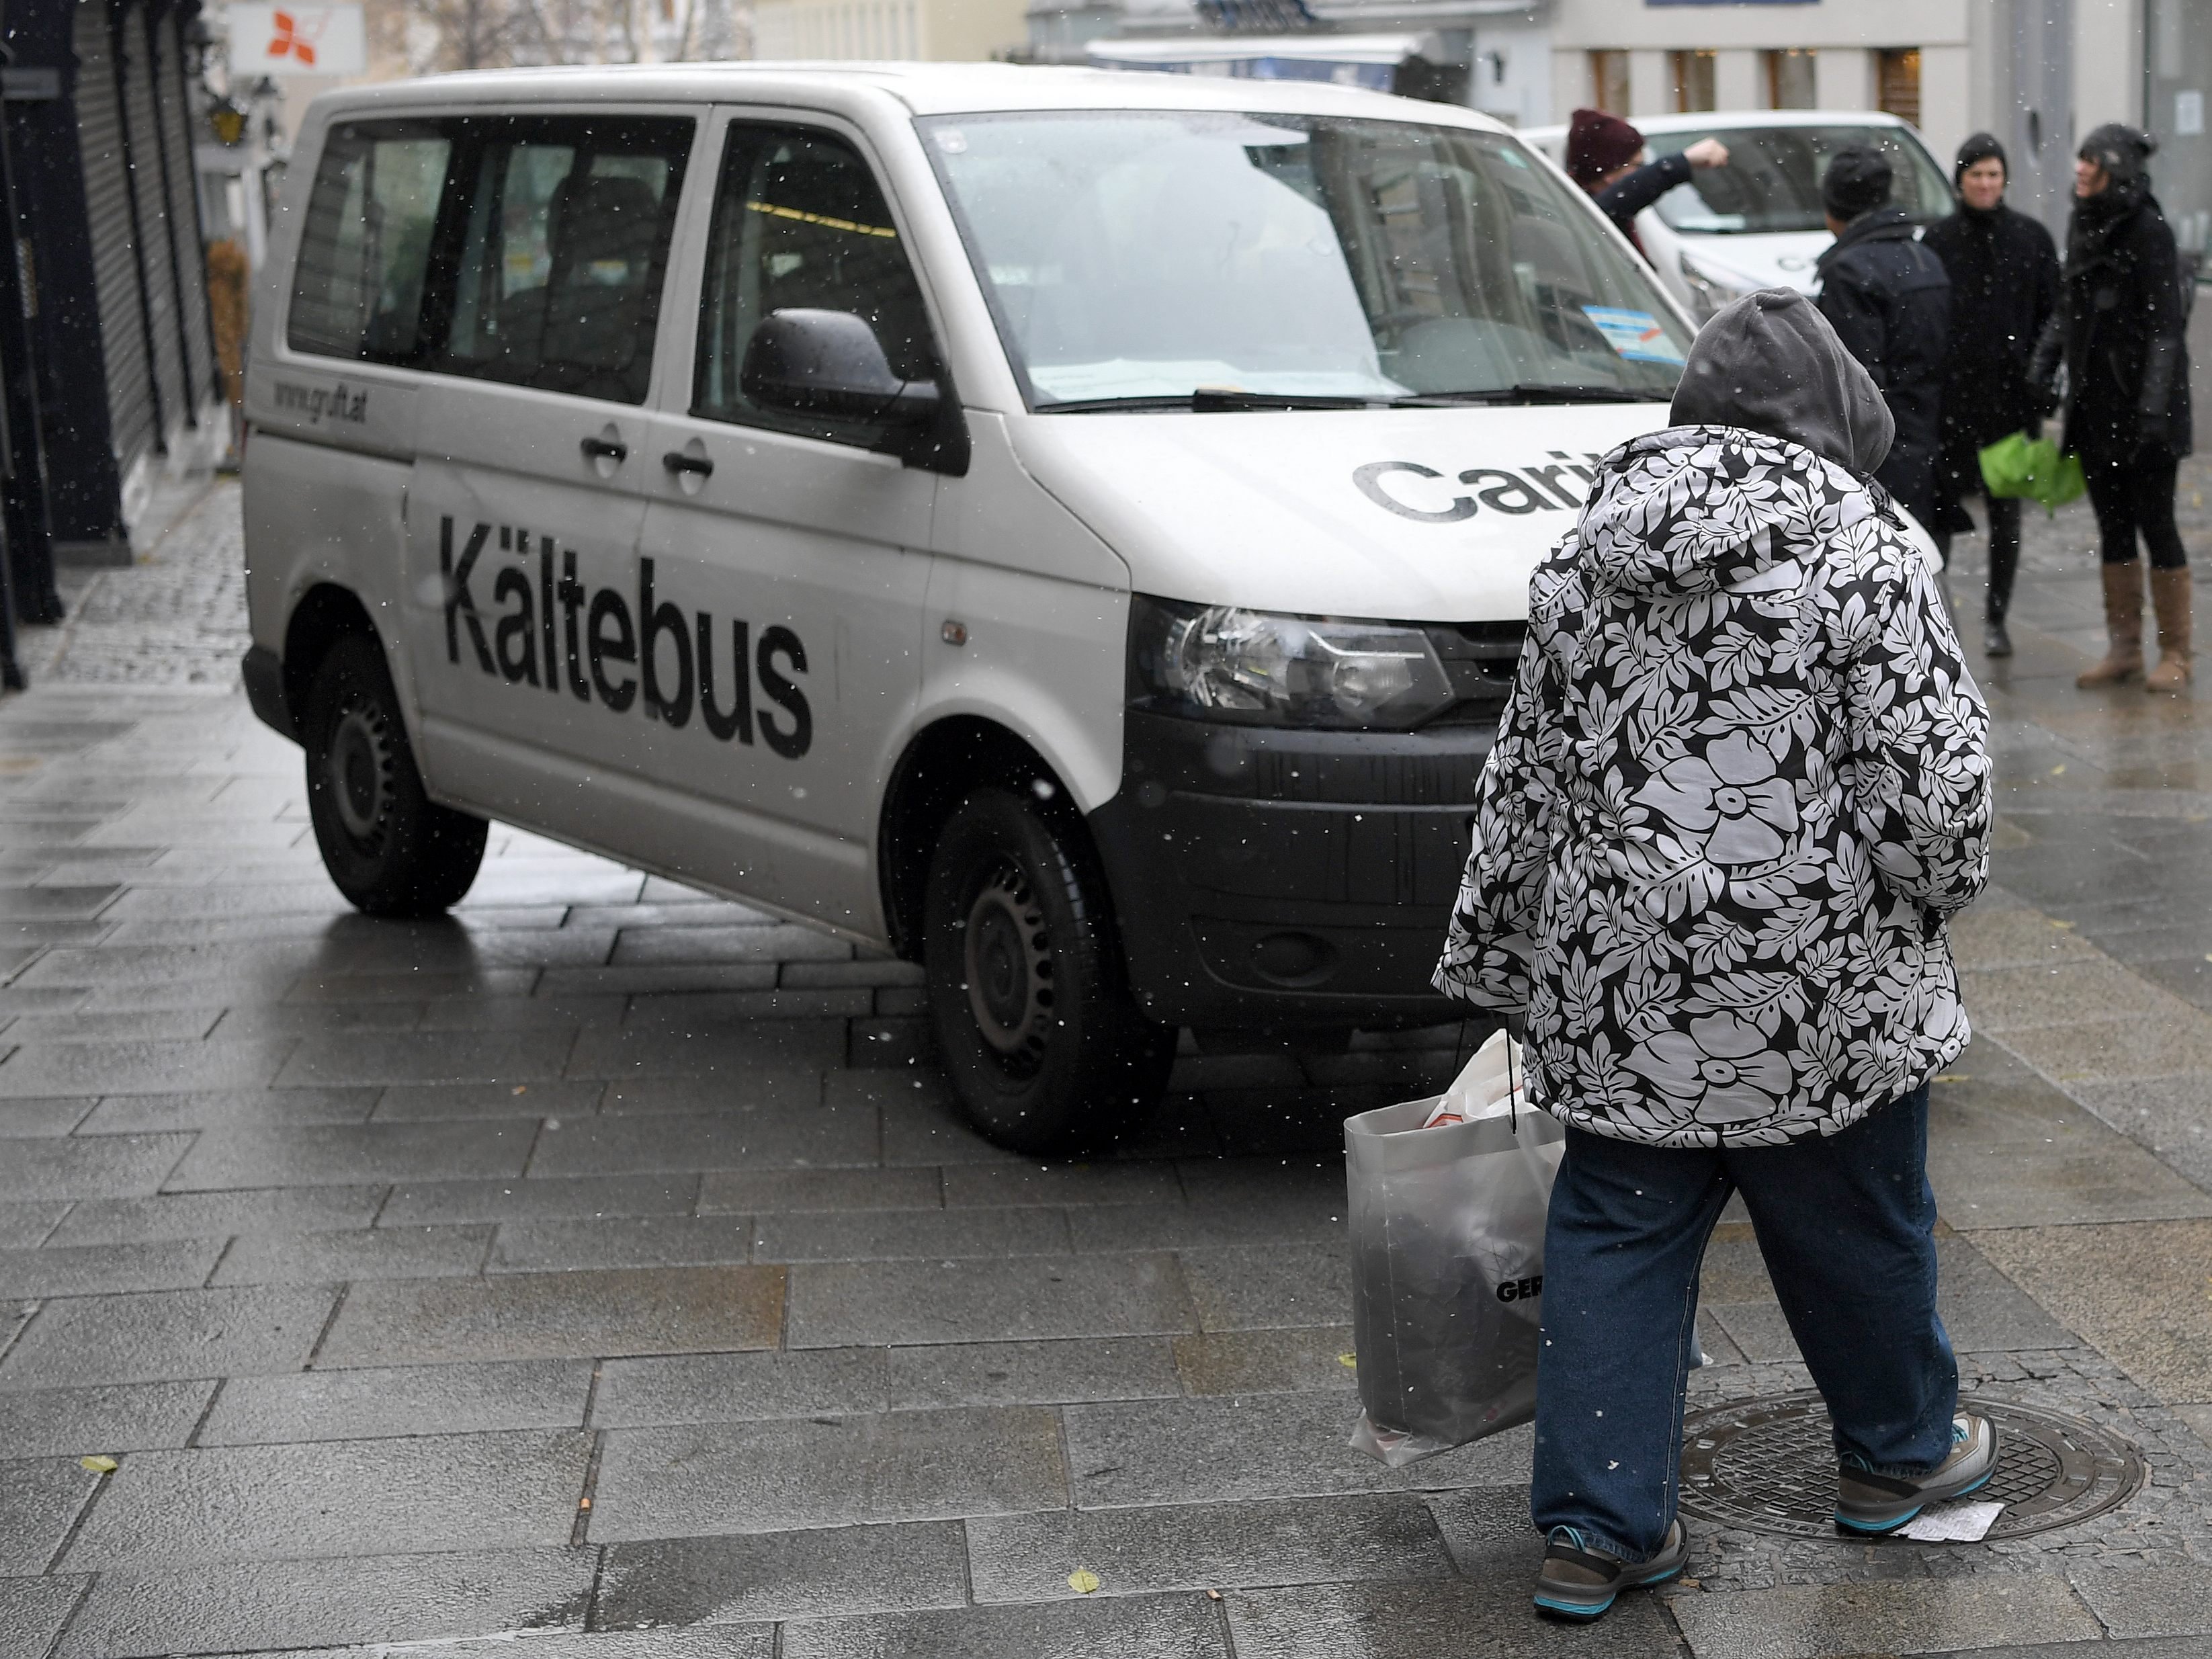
(1070,530)
(1758,221)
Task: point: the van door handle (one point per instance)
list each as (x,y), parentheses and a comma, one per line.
(605,449)
(676,461)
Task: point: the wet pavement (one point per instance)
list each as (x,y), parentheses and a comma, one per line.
(604,1264)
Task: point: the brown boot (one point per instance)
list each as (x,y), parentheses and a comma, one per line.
(2169,596)
(2124,607)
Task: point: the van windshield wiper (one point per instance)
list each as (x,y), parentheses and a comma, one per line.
(1213,400)
(1530,392)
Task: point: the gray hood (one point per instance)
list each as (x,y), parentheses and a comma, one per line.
(1769,363)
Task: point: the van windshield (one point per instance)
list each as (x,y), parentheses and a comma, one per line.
(1772,181)
(1224,260)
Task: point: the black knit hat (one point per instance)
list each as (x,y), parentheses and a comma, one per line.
(1982,146)
(2120,149)
(1857,181)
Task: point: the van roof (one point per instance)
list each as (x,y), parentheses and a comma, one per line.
(925,88)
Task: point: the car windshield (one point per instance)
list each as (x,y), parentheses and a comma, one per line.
(1228,260)
(1772,181)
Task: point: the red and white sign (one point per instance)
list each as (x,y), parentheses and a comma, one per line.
(297,41)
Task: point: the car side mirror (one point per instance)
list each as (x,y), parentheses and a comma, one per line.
(830,363)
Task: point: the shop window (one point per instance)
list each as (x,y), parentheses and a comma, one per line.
(1692,74)
(1897,79)
(1609,81)
(1789,79)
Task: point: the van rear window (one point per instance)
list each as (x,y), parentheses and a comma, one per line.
(358,287)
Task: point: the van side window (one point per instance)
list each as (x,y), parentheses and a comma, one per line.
(559,271)
(799,222)
(357,289)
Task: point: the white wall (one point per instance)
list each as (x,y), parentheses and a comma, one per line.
(2108,62)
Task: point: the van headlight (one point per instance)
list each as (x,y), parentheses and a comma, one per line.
(1709,291)
(1220,662)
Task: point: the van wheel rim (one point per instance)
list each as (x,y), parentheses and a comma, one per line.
(360,766)
(1009,969)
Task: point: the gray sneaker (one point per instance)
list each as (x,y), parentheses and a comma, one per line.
(1875,1504)
(1578,1582)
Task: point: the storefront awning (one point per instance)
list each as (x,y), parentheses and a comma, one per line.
(1352,60)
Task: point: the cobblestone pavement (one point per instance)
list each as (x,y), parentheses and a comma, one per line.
(603,1265)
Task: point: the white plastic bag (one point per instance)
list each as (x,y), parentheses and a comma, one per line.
(1447,1228)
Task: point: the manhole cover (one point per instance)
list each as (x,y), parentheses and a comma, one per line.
(1770,1465)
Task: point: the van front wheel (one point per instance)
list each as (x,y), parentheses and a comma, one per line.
(1047,1049)
(391,850)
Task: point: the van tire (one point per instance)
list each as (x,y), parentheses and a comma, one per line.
(1048,1051)
(391,850)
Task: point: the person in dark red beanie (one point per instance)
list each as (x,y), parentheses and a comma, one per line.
(1602,153)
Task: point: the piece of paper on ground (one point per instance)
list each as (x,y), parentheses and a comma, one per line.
(1951,1523)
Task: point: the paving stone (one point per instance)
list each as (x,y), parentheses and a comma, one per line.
(551,1315)
(1812,1621)
(639,981)
(1185,1626)
(1984,940)
(359,1253)
(228,1109)
(889,1235)
(1283,1284)
(1281,1445)
(1266,1361)
(79,1422)
(320,1020)
(704,1014)
(1490,1620)
(32,1613)
(700,1641)
(539,1197)
(741,1138)
(1032,1373)
(410,985)
(498,1013)
(772,1192)
(88,1166)
(675,1582)
(1026,1557)
(346,1154)
(694,912)
(1198,1225)
(921,1129)
(419,1102)
(44,1496)
(167,1335)
(118,1025)
(2199,1419)
(216,1215)
(399,1401)
(127,1068)
(2139,1293)
(389,1057)
(2089,990)
(2154,1647)
(788,1088)
(261,1606)
(98,1269)
(2009,1186)
(780,942)
(627,1053)
(1068,1184)
(773,1476)
(850,1304)
(659,1241)
(2162,1601)
(2113,1052)
(43,1117)
(22,1225)
(2170,1116)
(452,1491)
(726,1387)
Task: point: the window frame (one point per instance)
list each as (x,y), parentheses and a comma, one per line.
(944,445)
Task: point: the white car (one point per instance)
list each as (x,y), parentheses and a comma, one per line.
(1070,529)
(1758,222)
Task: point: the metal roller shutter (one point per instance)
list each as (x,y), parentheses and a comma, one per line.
(115,262)
(143,147)
(174,95)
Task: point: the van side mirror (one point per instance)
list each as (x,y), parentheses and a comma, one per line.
(830,363)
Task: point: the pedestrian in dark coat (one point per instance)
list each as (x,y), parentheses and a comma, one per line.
(2004,288)
(1602,156)
(2120,330)
(1889,302)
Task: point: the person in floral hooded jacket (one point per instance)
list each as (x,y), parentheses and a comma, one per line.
(1739,786)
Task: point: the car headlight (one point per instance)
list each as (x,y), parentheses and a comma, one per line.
(1220,662)
(1708,292)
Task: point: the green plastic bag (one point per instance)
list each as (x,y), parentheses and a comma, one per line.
(2034,468)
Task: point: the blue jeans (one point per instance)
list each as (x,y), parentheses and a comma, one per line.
(1846,1224)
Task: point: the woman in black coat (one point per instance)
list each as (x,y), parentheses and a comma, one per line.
(2004,288)
(2120,328)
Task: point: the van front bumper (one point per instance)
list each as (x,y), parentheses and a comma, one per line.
(1266,877)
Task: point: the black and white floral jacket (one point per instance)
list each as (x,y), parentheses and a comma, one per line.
(1741,783)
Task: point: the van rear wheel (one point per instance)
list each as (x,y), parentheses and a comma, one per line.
(391,850)
(1048,1051)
